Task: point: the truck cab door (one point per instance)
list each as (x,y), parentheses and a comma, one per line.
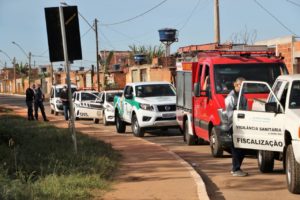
(259,129)
(127,103)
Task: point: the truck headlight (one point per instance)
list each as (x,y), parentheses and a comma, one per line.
(223,116)
(109,109)
(58,101)
(145,106)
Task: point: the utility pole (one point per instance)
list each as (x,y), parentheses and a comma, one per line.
(97,54)
(29,71)
(15,78)
(217,22)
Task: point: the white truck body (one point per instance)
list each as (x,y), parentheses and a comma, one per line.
(273,127)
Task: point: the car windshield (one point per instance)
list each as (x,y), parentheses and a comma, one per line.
(110,96)
(295,96)
(58,91)
(226,74)
(155,90)
(89,96)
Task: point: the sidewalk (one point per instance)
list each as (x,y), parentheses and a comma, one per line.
(147,171)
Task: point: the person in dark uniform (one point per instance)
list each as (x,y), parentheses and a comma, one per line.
(38,103)
(64,97)
(29,101)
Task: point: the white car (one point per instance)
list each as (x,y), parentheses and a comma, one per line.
(87,105)
(107,101)
(55,102)
(146,105)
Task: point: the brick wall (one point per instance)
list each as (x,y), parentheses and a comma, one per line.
(286,52)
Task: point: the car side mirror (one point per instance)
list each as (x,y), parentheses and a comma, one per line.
(272,107)
(128,96)
(197,89)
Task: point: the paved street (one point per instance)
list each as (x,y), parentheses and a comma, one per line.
(215,172)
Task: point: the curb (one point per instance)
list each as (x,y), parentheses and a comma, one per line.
(201,188)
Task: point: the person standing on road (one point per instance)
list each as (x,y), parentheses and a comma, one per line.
(64,97)
(231,104)
(29,101)
(38,103)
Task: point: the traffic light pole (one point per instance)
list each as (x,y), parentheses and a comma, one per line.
(67,66)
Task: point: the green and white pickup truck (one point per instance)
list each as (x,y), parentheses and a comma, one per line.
(272,127)
(146,105)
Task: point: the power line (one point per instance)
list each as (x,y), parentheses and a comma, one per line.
(192,13)
(137,16)
(292,2)
(86,32)
(108,41)
(282,24)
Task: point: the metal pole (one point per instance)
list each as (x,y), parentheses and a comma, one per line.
(65,47)
(29,71)
(15,81)
(217,22)
(51,73)
(97,54)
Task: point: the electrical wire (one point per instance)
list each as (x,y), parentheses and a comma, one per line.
(135,17)
(192,13)
(108,41)
(274,17)
(82,36)
(292,2)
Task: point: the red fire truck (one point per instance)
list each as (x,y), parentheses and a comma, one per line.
(202,87)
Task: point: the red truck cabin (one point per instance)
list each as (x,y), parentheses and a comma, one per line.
(203,86)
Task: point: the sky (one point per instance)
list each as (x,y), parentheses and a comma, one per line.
(23,21)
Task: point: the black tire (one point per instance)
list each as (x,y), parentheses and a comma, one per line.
(52,111)
(96,121)
(189,139)
(105,123)
(55,113)
(215,144)
(136,129)
(265,161)
(292,171)
(120,125)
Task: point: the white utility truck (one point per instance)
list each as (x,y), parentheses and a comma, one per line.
(146,105)
(272,126)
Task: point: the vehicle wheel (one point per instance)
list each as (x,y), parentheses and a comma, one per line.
(215,145)
(52,111)
(120,125)
(265,160)
(136,129)
(292,171)
(96,121)
(105,123)
(189,139)
(55,113)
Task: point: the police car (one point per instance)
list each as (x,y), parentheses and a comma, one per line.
(87,105)
(107,101)
(55,101)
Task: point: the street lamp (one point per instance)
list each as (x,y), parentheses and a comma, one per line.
(14,65)
(29,59)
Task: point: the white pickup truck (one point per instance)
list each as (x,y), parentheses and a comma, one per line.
(272,127)
(146,105)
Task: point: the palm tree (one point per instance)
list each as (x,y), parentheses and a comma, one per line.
(149,51)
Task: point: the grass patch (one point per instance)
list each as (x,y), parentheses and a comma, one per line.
(5,110)
(37,161)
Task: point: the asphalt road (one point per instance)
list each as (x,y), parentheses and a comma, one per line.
(214,171)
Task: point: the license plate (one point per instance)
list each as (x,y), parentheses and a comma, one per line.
(168,115)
